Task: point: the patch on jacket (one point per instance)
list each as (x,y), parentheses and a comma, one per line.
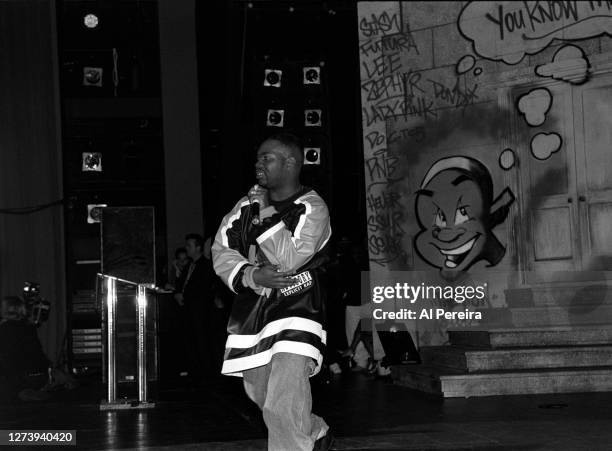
(303,281)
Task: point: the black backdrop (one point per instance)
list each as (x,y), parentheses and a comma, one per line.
(31,245)
(234,43)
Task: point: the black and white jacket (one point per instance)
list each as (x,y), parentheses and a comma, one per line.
(293,235)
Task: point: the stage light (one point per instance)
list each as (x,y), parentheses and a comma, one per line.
(91,21)
(276,118)
(312,155)
(312,75)
(91,162)
(273,78)
(92,76)
(312,118)
(94,213)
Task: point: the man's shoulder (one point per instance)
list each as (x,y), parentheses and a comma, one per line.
(240,205)
(313,200)
(243,202)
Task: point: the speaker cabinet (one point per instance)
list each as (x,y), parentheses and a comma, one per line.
(128,243)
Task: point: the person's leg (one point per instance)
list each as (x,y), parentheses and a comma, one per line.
(368,342)
(190,349)
(287,409)
(356,338)
(256,384)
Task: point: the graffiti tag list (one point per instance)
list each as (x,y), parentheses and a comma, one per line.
(392,91)
(384,84)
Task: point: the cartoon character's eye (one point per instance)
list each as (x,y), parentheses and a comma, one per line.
(440,219)
(461,215)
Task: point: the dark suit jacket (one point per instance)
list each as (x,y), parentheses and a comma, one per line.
(199,288)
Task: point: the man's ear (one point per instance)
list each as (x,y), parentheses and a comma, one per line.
(291,162)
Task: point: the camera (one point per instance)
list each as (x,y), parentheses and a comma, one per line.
(37,308)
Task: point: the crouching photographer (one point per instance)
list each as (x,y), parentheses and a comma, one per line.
(24,368)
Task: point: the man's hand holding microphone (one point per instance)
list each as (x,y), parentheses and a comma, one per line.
(268,275)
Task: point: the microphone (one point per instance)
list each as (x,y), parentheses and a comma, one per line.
(255,208)
(255,212)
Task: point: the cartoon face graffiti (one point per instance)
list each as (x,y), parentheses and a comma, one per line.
(456,213)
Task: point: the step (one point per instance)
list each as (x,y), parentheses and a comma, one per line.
(502,338)
(451,384)
(474,360)
(561,316)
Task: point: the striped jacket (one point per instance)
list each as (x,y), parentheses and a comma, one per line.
(266,321)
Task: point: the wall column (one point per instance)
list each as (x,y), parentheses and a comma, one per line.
(181,127)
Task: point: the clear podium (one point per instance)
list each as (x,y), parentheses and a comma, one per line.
(129,343)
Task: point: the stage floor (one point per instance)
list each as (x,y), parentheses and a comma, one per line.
(364,413)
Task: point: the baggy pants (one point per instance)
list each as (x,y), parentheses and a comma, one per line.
(281,389)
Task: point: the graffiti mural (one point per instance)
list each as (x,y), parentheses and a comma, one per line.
(457,213)
(543,145)
(568,55)
(485,135)
(507,31)
(534,105)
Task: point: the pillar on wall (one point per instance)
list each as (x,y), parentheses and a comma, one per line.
(179,82)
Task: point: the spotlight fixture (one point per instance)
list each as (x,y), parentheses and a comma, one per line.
(92,76)
(312,155)
(91,21)
(273,78)
(312,75)
(312,118)
(94,213)
(275,118)
(91,162)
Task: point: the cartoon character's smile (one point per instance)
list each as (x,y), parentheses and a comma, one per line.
(455,256)
(456,212)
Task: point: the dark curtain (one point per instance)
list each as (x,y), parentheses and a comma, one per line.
(31,245)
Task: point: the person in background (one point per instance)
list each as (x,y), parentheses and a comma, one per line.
(197,297)
(336,335)
(178,271)
(24,368)
(351,265)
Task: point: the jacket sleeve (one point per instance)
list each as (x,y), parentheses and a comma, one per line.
(292,249)
(228,262)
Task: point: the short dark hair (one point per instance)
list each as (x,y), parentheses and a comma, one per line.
(199,240)
(179,251)
(292,142)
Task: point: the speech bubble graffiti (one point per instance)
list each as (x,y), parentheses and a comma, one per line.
(507,31)
(507,159)
(568,64)
(534,105)
(465,64)
(543,145)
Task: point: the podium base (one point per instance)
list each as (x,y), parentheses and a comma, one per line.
(126,404)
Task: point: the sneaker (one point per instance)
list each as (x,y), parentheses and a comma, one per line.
(353,365)
(324,443)
(347,353)
(383,371)
(334,368)
(372,366)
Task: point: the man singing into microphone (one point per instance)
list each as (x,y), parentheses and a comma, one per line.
(270,250)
